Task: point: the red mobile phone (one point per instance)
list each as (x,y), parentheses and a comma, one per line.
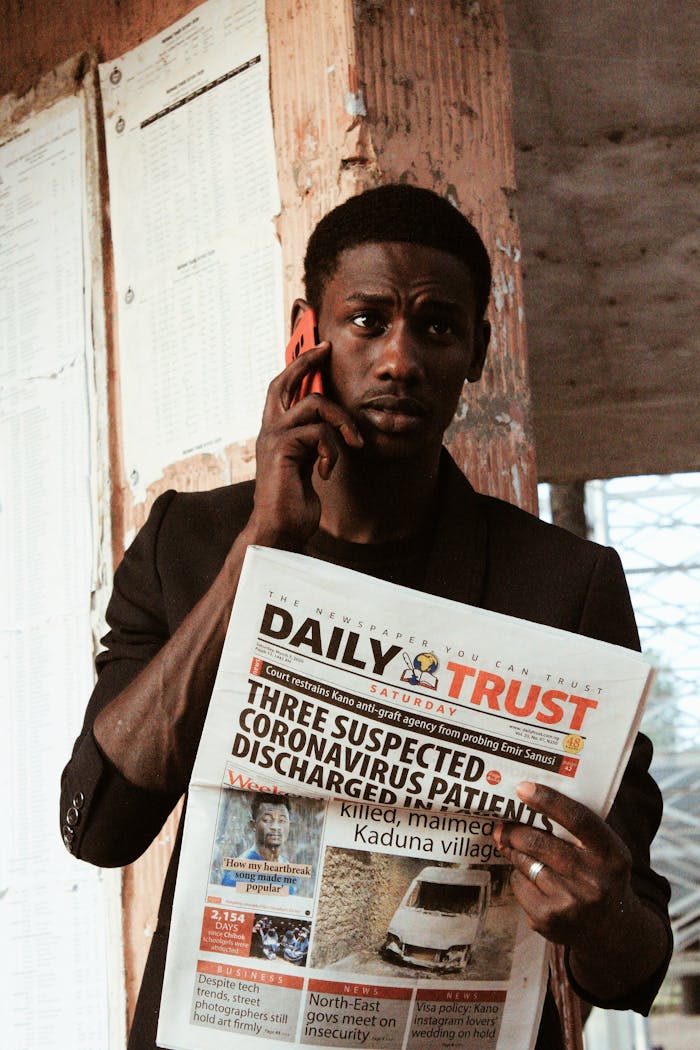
(304,337)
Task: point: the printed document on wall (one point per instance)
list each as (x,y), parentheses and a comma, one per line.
(193,191)
(52,919)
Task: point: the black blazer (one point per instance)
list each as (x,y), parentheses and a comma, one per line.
(484,552)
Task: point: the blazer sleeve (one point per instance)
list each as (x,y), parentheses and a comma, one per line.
(105,819)
(636,812)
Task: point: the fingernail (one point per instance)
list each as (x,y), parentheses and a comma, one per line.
(353,434)
(497,833)
(526,789)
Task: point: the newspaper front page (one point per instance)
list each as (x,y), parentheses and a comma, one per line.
(339,884)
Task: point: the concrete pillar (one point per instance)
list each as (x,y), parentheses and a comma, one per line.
(690,994)
(568,507)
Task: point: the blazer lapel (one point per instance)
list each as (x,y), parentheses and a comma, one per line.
(457,559)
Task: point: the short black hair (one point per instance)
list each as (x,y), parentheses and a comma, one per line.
(395,212)
(269,798)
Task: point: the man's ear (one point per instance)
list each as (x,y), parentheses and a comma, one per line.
(482,334)
(299,308)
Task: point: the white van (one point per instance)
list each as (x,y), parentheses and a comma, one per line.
(439,918)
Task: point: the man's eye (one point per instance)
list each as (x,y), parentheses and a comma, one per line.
(439,326)
(368,321)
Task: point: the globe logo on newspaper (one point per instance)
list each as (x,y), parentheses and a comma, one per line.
(421,670)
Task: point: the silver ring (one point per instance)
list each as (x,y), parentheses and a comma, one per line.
(535,870)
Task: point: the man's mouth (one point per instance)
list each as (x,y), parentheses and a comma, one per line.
(393,413)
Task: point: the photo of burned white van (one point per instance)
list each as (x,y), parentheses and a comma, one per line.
(439,918)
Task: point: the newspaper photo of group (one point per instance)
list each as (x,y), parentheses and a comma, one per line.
(280,938)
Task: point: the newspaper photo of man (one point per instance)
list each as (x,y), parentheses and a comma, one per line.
(270,822)
(266,843)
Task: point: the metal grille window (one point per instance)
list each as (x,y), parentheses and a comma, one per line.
(654,524)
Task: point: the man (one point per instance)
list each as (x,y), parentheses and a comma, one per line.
(297,949)
(270,823)
(399,281)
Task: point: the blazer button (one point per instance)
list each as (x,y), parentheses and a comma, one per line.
(72,817)
(79,800)
(68,836)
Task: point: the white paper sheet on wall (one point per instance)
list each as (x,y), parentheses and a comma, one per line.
(52,919)
(40,248)
(193,189)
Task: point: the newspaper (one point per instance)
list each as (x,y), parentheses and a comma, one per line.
(339,884)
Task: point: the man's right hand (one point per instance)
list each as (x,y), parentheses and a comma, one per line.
(294,440)
(150,731)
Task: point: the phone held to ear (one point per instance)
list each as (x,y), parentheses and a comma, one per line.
(304,337)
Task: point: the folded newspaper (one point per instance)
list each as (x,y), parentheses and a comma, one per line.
(339,884)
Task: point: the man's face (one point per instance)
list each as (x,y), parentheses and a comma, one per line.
(401,320)
(271,826)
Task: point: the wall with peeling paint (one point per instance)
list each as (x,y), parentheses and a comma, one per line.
(386,91)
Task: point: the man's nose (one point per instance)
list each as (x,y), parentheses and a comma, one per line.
(399,354)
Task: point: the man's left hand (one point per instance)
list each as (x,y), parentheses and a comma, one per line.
(579,893)
(583,885)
